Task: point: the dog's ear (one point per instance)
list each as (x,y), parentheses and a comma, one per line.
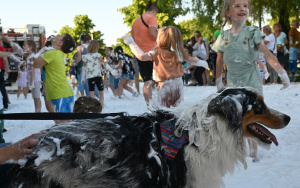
(228,108)
(232,104)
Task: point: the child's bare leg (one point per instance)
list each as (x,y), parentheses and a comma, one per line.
(92,93)
(25,91)
(101,98)
(19,91)
(147,90)
(37,104)
(128,88)
(252,148)
(137,84)
(49,105)
(120,86)
(207,77)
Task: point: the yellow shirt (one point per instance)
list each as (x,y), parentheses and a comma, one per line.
(56,83)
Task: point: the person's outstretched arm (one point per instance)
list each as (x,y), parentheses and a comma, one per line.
(135,49)
(219,69)
(271,59)
(39,62)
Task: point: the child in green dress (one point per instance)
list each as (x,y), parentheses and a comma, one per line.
(238,47)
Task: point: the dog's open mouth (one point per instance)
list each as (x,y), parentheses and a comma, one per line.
(262,133)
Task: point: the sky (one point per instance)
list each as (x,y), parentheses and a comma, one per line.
(278,167)
(55,14)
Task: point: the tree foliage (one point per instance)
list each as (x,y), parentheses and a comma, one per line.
(168,11)
(83,24)
(207,12)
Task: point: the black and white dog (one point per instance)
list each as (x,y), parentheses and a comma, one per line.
(191,146)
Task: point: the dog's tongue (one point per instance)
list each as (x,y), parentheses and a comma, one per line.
(267,133)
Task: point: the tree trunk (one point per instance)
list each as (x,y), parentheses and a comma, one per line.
(284,19)
(259,14)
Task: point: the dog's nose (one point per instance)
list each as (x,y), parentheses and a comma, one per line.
(286,119)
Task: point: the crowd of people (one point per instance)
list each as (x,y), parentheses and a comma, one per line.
(239,56)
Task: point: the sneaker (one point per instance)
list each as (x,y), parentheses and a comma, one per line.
(255,160)
(296,74)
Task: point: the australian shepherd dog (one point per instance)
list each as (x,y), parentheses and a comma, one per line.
(190,146)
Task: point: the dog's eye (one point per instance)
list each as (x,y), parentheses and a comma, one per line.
(260,108)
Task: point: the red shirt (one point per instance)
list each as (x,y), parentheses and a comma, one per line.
(2,49)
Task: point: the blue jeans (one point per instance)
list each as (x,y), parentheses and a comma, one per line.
(3,90)
(186,78)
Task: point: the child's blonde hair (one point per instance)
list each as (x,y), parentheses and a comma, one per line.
(226,7)
(93,47)
(268,29)
(169,38)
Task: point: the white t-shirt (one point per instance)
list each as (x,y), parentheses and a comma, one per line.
(271,45)
(201,48)
(92,65)
(1,102)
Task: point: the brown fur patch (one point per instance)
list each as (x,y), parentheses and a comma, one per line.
(267,119)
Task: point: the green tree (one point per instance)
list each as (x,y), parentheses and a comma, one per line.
(84,24)
(283,12)
(207,12)
(169,10)
(188,28)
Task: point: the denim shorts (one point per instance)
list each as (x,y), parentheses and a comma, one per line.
(63,104)
(113,81)
(127,76)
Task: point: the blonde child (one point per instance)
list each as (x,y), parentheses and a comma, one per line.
(22,81)
(34,75)
(92,70)
(167,56)
(239,47)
